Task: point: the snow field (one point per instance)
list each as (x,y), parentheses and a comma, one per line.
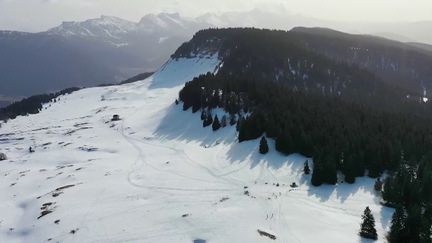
(158,176)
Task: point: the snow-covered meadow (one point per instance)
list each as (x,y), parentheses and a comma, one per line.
(158,176)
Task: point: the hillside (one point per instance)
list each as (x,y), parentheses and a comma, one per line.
(399,64)
(133,162)
(157,176)
(350,121)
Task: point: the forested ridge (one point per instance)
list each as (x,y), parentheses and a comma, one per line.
(31,105)
(343,116)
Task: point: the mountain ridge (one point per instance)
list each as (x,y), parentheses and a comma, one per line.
(117,48)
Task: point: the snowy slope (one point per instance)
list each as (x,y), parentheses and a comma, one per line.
(158,176)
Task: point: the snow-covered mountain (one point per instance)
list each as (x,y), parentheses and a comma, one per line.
(105,27)
(95,51)
(109,49)
(119,31)
(157,176)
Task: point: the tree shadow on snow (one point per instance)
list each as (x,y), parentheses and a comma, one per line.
(187,127)
(363,240)
(343,190)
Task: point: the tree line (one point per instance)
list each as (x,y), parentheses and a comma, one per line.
(341,136)
(31,105)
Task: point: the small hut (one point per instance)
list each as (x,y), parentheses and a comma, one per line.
(115,118)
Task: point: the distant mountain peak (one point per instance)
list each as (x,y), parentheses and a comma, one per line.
(166,21)
(112,28)
(106,26)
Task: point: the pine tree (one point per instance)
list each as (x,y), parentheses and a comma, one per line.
(349,169)
(306,168)
(329,170)
(224,121)
(426,226)
(397,229)
(414,223)
(317,177)
(263,148)
(427,186)
(203,115)
(216,124)
(233,120)
(240,122)
(367,229)
(208,120)
(389,193)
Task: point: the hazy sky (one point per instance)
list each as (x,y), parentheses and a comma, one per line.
(38,15)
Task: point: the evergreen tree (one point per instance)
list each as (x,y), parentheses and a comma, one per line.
(317,179)
(397,230)
(389,193)
(426,226)
(367,229)
(240,122)
(263,148)
(329,172)
(216,124)
(414,223)
(208,119)
(426,189)
(203,115)
(233,120)
(224,121)
(306,168)
(349,169)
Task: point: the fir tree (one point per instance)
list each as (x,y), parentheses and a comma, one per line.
(349,169)
(306,168)
(240,122)
(317,179)
(208,119)
(389,193)
(203,115)
(224,121)
(233,120)
(367,229)
(216,124)
(426,227)
(414,223)
(397,229)
(263,148)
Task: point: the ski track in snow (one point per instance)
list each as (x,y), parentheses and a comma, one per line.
(158,176)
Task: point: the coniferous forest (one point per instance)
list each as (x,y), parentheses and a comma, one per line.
(31,105)
(361,128)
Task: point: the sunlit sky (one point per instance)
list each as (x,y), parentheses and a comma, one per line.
(38,15)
